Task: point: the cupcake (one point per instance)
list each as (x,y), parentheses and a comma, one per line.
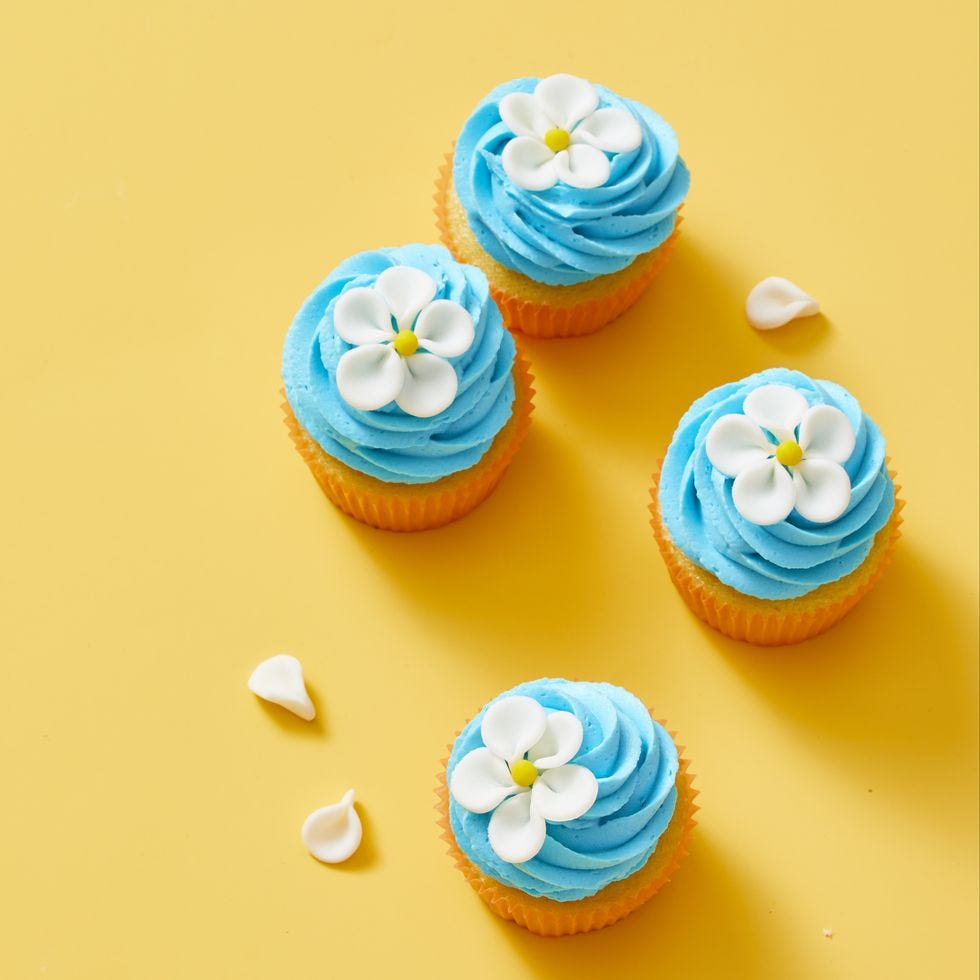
(404,393)
(567,196)
(565,805)
(775,509)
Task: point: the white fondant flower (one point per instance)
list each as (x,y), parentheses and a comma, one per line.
(522,774)
(800,471)
(561,135)
(387,323)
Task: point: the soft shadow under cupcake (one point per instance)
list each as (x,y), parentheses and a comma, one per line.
(666,937)
(627,385)
(885,693)
(529,563)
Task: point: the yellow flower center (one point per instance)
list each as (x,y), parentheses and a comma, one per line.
(557,140)
(406,343)
(789,453)
(523,772)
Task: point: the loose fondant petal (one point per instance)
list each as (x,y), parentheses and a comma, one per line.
(775,301)
(280,680)
(333,833)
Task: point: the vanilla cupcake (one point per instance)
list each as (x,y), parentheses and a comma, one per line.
(774,508)
(567,196)
(565,805)
(405,395)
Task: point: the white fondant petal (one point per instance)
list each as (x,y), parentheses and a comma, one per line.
(612,130)
(406,291)
(565,793)
(763,493)
(776,301)
(280,680)
(445,328)
(562,738)
(777,408)
(826,433)
(430,386)
(566,99)
(735,442)
(361,316)
(529,164)
(823,490)
(333,833)
(371,376)
(515,833)
(512,725)
(481,781)
(582,166)
(523,116)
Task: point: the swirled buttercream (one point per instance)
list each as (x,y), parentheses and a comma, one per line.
(388,443)
(635,762)
(566,235)
(795,556)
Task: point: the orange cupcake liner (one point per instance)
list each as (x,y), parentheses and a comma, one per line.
(558,319)
(769,622)
(421,506)
(546,917)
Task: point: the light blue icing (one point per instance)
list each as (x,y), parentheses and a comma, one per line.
(635,762)
(566,235)
(388,443)
(784,560)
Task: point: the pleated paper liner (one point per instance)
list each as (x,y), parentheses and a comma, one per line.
(773,622)
(422,506)
(534,308)
(546,917)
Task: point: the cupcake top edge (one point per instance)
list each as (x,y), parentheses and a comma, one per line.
(564,180)
(558,788)
(399,365)
(777,484)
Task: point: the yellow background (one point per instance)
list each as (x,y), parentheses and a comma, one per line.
(176,178)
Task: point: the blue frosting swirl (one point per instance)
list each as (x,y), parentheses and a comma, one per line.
(388,443)
(567,235)
(794,557)
(635,762)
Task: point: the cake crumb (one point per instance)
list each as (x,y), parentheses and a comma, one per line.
(828,933)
